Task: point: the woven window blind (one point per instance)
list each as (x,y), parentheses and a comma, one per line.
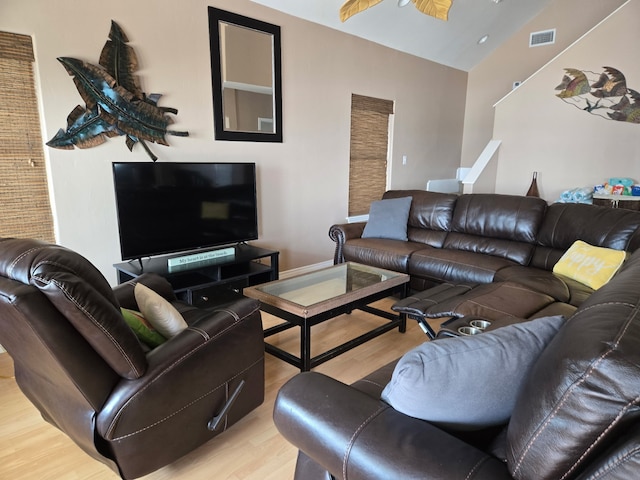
(368,156)
(24,196)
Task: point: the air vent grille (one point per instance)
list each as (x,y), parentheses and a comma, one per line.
(545,37)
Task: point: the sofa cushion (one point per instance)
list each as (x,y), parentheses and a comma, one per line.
(432,210)
(441,264)
(472,382)
(584,389)
(560,287)
(564,223)
(388,219)
(592,266)
(505,301)
(510,217)
(381,252)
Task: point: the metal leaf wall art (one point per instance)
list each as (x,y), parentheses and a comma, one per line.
(115,102)
(605,94)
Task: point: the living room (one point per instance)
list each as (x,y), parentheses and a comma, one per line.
(321,69)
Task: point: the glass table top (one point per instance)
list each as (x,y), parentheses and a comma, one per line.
(329,283)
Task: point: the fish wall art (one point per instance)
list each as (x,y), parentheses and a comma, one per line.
(605,94)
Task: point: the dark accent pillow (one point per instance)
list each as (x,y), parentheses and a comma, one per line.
(469,382)
(388,219)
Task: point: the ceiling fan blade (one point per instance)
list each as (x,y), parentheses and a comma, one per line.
(351,7)
(435,8)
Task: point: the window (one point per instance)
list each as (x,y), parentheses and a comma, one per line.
(369,151)
(24,195)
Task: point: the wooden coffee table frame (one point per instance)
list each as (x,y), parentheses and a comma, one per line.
(295,315)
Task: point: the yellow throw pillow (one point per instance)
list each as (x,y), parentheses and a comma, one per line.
(589,265)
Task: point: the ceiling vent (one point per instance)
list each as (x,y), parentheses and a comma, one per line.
(545,37)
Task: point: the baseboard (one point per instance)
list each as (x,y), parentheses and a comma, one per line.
(306,269)
(2,350)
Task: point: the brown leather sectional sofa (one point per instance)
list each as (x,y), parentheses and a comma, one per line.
(494,239)
(577,415)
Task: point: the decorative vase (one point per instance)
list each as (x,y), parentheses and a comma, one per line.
(533,188)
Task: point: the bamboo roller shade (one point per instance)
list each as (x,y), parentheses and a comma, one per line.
(24,196)
(369,146)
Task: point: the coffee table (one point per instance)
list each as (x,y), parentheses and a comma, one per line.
(312,298)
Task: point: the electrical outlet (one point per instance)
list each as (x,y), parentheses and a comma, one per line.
(404,159)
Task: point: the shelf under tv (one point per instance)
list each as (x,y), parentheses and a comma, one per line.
(209,281)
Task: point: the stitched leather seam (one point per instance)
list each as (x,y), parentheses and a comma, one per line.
(167,369)
(555,411)
(364,380)
(618,462)
(565,398)
(353,438)
(590,307)
(605,431)
(188,405)
(611,425)
(475,468)
(486,307)
(200,331)
(235,316)
(13,264)
(95,322)
(470,265)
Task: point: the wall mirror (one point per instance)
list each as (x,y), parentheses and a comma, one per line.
(246,78)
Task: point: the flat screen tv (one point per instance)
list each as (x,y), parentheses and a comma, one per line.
(170,207)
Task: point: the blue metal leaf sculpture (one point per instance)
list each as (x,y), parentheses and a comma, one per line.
(115,103)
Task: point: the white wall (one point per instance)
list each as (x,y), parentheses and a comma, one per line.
(570,147)
(303,182)
(516,61)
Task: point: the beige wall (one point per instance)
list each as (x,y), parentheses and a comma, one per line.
(303,181)
(515,61)
(569,147)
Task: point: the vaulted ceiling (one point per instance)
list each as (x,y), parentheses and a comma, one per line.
(453,43)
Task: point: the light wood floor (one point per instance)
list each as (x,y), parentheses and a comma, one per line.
(252,449)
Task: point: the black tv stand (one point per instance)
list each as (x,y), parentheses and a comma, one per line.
(210,281)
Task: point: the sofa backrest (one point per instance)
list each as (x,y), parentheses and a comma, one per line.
(584,390)
(564,223)
(430,215)
(44,289)
(81,294)
(500,225)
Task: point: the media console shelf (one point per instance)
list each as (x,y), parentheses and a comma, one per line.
(210,281)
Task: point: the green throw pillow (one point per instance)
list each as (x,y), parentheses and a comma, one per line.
(143,329)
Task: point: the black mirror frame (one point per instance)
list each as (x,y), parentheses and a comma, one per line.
(215,17)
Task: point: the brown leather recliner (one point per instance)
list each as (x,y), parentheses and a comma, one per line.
(577,414)
(83,368)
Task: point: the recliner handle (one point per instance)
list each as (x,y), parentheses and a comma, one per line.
(214,423)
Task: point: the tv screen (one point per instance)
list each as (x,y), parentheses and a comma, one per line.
(171,207)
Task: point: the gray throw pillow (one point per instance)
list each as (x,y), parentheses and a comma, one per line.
(470,382)
(388,219)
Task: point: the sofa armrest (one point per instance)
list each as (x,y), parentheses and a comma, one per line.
(353,435)
(341,233)
(160,285)
(190,376)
